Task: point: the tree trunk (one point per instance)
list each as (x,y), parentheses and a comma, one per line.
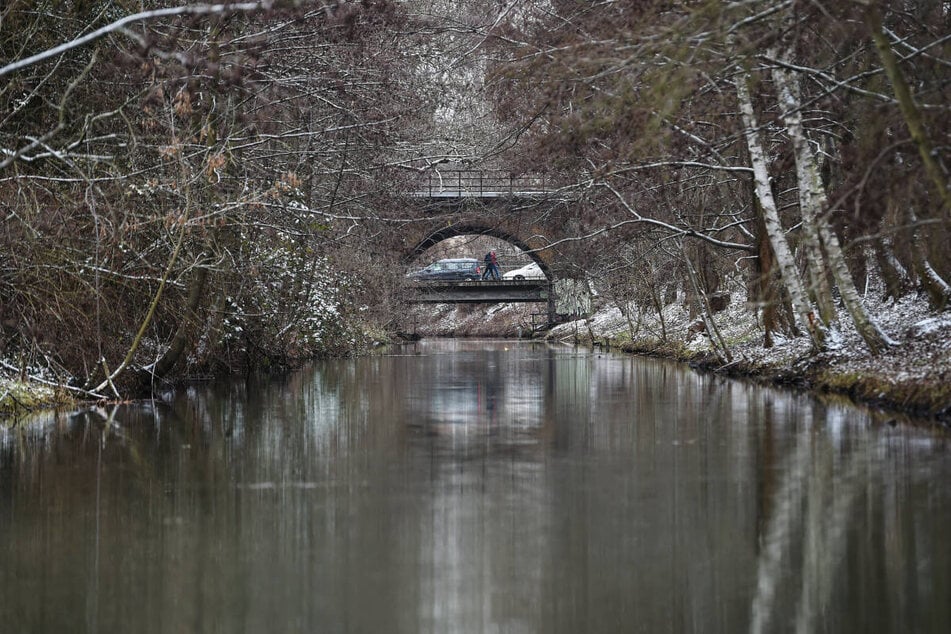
(659,307)
(196,294)
(770,215)
(820,289)
(764,286)
(716,339)
(906,102)
(937,289)
(812,202)
(893,273)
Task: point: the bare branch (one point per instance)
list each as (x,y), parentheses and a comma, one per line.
(119,26)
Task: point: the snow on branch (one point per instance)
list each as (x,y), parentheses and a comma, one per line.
(118,25)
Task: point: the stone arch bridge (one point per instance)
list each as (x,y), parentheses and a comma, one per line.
(522,211)
(525,211)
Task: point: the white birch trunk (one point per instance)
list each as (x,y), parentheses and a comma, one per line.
(812,202)
(809,208)
(805,315)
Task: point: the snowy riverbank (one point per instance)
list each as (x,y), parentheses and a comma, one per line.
(19,395)
(913,377)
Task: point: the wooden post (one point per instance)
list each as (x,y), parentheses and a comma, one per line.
(551,304)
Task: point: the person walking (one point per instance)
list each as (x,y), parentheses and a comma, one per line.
(491,267)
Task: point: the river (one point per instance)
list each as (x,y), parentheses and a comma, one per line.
(476,486)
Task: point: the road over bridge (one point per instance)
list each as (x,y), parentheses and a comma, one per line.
(482,292)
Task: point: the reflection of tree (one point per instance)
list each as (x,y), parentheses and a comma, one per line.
(638,502)
(807,531)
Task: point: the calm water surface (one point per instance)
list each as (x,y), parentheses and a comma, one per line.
(476,486)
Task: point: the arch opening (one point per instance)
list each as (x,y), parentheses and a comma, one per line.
(474,241)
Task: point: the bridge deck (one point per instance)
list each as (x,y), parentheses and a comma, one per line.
(481,292)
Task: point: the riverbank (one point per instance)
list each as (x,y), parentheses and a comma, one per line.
(913,377)
(20,396)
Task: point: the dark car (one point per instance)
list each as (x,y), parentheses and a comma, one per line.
(454,269)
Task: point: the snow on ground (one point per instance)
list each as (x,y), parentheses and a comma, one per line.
(18,394)
(922,353)
(915,375)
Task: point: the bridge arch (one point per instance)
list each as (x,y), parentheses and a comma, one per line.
(475,228)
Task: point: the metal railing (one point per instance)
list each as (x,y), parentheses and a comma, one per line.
(481,184)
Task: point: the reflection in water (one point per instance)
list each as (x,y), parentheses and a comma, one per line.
(812,517)
(475,486)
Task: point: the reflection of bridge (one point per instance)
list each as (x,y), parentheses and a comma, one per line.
(482,292)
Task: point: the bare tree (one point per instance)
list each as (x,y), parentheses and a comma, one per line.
(190,216)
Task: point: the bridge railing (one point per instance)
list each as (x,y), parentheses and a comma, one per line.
(482,184)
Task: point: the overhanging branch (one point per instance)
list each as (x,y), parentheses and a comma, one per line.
(118,25)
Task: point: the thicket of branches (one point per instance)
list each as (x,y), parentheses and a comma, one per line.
(211,185)
(798,142)
(184,192)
